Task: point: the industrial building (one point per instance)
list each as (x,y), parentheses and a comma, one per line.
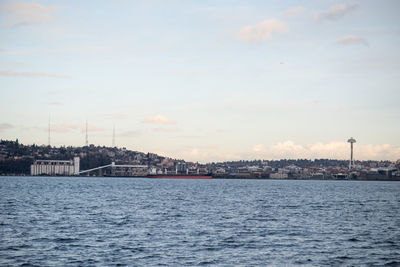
(55,167)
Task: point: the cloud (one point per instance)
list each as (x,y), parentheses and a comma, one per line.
(23,14)
(286,149)
(60,128)
(336,12)
(384,151)
(261,31)
(258,148)
(66,128)
(290,150)
(5,126)
(32,74)
(158,119)
(351,40)
(293,11)
(331,150)
(205,154)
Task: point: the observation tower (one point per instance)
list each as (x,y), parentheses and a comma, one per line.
(351,141)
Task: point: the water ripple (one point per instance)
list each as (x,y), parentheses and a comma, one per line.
(149,222)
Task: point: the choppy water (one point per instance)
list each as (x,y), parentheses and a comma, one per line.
(146,222)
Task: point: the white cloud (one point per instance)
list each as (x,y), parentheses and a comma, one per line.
(160,119)
(351,40)
(334,150)
(331,150)
(286,149)
(261,31)
(22,14)
(32,74)
(293,11)
(258,148)
(336,12)
(205,155)
(384,151)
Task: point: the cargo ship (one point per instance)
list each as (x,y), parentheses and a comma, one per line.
(179,176)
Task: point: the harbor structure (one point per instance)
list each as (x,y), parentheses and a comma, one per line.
(55,167)
(351,141)
(117,170)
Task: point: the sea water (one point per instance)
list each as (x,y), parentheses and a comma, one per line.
(69,221)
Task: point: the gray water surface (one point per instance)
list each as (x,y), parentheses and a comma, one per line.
(154,222)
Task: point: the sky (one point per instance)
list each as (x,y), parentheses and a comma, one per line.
(205,80)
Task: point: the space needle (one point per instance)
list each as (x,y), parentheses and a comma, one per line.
(351,141)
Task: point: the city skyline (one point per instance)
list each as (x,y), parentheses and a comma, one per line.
(209,81)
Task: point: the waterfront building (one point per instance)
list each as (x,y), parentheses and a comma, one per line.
(55,167)
(278,175)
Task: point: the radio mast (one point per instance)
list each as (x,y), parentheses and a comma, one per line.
(87,142)
(48,137)
(113,138)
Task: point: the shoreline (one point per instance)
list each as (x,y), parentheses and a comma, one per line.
(396,179)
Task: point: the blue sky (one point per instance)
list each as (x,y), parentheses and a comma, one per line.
(204,80)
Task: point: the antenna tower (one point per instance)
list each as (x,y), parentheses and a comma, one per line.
(113,138)
(87,142)
(48,137)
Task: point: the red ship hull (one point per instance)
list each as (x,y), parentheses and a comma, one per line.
(180,176)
